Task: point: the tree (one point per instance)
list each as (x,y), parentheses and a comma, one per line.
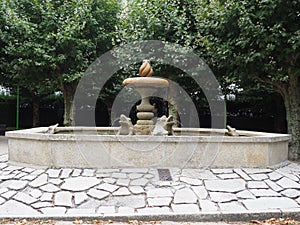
(20,63)
(53,42)
(257,40)
(172,21)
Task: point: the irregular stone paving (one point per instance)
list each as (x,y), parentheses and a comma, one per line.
(132,191)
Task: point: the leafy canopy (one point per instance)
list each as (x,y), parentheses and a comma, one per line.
(54,39)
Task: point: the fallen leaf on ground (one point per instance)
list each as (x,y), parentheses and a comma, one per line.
(275,221)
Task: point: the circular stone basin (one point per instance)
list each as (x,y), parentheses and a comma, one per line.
(146,81)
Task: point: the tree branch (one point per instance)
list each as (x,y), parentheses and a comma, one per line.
(279,88)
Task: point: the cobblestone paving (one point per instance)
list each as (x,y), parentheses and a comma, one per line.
(132,191)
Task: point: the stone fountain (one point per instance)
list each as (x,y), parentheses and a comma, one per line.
(145,144)
(146,85)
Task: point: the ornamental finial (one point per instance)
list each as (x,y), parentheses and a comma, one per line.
(146,69)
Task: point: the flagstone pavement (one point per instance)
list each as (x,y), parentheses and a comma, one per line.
(210,194)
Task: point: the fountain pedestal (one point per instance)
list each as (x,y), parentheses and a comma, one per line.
(144,125)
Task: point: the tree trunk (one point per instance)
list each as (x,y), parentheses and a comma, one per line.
(280,125)
(292,105)
(68,90)
(173,110)
(35,112)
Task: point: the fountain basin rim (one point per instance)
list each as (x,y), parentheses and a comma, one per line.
(84,148)
(181,135)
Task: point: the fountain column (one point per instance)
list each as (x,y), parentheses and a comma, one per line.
(144,125)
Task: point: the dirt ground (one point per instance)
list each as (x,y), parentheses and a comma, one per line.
(272,221)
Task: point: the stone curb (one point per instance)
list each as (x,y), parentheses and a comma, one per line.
(199,217)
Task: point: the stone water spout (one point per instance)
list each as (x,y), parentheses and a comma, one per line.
(164,126)
(146,86)
(126,126)
(52,129)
